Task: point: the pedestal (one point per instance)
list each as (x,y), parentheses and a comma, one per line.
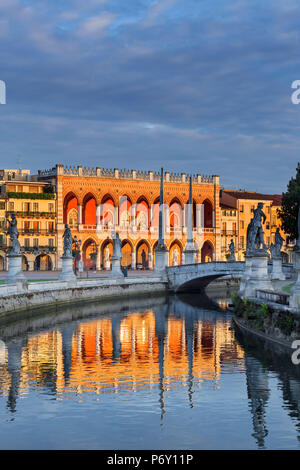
(295,292)
(161,260)
(277,273)
(259,277)
(231,259)
(107,265)
(15,273)
(116,271)
(67,273)
(246,275)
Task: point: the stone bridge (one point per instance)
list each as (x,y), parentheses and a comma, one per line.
(194,277)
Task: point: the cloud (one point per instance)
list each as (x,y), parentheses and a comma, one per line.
(200,86)
(156,10)
(96,25)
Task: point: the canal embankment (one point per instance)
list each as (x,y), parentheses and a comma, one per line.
(269,320)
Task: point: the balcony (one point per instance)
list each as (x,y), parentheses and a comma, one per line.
(36,231)
(32,214)
(40,249)
(229,233)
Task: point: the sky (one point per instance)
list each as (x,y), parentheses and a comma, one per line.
(196,86)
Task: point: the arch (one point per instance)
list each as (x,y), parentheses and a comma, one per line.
(89,253)
(208,213)
(43,262)
(107,211)
(70,202)
(155,213)
(25,264)
(175,253)
(142,214)
(106,253)
(153,252)
(89,210)
(126,253)
(207,252)
(175,209)
(142,254)
(73,217)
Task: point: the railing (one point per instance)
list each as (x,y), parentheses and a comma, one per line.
(36,231)
(271,296)
(232,233)
(125,174)
(39,249)
(48,215)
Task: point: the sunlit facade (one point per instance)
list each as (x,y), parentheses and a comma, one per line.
(35,210)
(236,212)
(96,201)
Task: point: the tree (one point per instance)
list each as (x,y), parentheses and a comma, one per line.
(288,213)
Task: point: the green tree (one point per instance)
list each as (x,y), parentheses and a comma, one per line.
(288,213)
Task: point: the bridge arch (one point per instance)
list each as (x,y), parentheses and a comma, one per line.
(188,278)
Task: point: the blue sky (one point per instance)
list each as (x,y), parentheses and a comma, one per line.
(199,86)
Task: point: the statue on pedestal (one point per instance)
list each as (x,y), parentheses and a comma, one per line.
(278,242)
(232,251)
(68,242)
(14,235)
(117,246)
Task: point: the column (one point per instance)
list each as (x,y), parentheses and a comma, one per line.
(98,259)
(79,214)
(116,216)
(190,249)
(133,260)
(150,260)
(133,216)
(98,216)
(167,218)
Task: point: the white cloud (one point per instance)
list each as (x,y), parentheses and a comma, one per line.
(96,25)
(156,10)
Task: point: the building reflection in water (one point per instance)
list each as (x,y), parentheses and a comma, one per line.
(168,346)
(173,344)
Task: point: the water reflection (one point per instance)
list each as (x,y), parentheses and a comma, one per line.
(151,347)
(262,359)
(170,345)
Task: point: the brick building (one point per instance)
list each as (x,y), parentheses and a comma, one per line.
(97,201)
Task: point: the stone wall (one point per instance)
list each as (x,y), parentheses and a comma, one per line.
(14,298)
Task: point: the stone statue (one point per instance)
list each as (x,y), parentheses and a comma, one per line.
(68,242)
(255,233)
(175,257)
(278,243)
(249,237)
(117,246)
(14,235)
(231,248)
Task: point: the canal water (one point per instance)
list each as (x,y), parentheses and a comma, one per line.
(154,373)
